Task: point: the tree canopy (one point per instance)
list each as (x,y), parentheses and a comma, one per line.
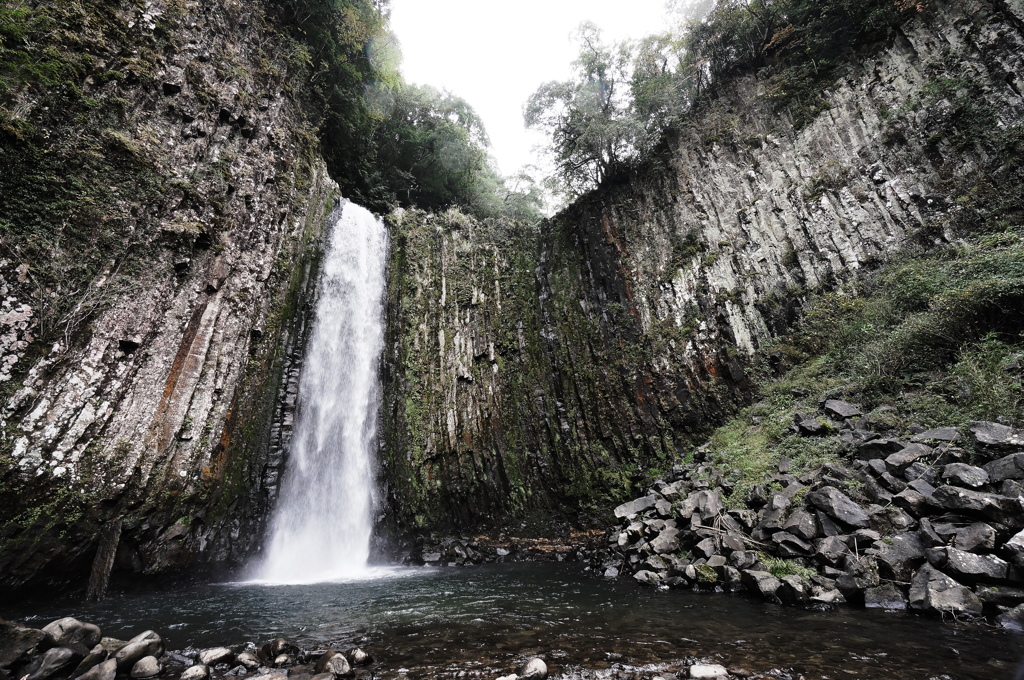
(622,98)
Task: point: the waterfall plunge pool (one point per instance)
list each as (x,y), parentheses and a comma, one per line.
(438,623)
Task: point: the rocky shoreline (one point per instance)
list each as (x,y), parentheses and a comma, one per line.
(69,649)
(930,522)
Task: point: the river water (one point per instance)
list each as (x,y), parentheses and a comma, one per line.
(437,623)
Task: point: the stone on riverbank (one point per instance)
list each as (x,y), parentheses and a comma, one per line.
(197,672)
(146,667)
(104,671)
(69,631)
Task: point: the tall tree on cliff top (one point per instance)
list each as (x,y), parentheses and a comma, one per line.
(586,117)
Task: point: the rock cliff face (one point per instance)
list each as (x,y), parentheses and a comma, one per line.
(542,379)
(155,414)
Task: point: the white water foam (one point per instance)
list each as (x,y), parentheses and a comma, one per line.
(323,520)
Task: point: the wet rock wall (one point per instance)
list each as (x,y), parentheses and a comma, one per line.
(161,409)
(636,312)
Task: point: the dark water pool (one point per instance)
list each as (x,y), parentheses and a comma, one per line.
(440,623)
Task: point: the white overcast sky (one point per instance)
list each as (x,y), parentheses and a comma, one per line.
(495,54)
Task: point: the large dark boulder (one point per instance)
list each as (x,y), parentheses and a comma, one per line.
(16,641)
(143,644)
(962,474)
(70,631)
(838,506)
(53,662)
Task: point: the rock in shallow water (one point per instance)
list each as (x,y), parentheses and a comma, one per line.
(69,631)
(197,672)
(708,671)
(105,671)
(146,667)
(334,663)
(212,657)
(53,662)
(534,669)
(143,644)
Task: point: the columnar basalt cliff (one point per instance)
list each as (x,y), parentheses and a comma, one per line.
(144,420)
(539,381)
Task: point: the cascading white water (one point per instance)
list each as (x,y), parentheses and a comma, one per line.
(322,523)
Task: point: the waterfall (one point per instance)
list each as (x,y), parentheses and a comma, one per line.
(321,526)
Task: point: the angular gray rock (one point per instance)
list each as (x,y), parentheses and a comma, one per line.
(666,542)
(708,671)
(788,545)
(838,505)
(962,474)
(989,505)
(1007,467)
(931,590)
(885,596)
(939,434)
(898,462)
(794,590)
(635,506)
(841,410)
(900,556)
(802,524)
(1015,546)
(969,567)
(647,577)
(997,435)
(978,537)
(146,667)
(69,631)
(761,583)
